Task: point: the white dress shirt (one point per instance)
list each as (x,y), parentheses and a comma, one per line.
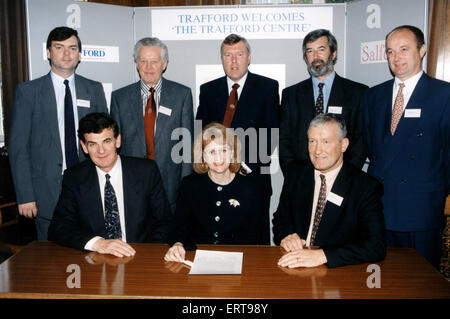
(330,177)
(241,83)
(410,85)
(60,94)
(116,181)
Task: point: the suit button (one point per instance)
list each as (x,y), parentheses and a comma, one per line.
(218,203)
(216,234)
(217,218)
(219,188)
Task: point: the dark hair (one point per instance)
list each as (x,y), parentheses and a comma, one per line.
(96,123)
(61,34)
(331,118)
(233,39)
(314,35)
(418,34)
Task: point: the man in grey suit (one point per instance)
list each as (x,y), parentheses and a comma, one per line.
(155,116)
(43,140)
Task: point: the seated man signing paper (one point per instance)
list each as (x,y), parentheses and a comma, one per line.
(329,204)
(110,200)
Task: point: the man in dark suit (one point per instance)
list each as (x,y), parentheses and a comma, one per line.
(324,92)
(407,121)
(109,200)
(167,136)
(253,114)
(329,203)
(43,141)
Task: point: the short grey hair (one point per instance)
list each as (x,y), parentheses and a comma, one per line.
(328,119)
(233,39)
(151,42)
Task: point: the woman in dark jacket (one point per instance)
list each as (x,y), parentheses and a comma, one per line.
(217,204)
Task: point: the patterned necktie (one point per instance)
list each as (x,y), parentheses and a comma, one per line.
(319,102)
(319,209)
(149,124)
(397,111)
(231,106)
(112,220)
(70,140)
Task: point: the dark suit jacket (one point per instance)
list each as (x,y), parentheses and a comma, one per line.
(414,164)
(351,233)
(127,110)
(297,111)
(34,144)
(79,213)
(257,107)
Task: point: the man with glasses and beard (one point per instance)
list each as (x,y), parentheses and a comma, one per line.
(324,92)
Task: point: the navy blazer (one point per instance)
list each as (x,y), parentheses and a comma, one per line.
(413,165)
(36,157)
(297,111)
(127,110)
(351,233)
(258,107)
(79,213)
(205,215)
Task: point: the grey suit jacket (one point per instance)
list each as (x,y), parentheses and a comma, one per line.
(35,151)
(127,110)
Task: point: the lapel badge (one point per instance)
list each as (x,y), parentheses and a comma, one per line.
(233,202)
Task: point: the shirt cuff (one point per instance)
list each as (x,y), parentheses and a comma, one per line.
(91,242)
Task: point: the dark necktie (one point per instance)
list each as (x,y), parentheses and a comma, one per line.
(70,141)
(149,124)
(231,106)
(319,102)
(112,220)
(398,108)
(319,209)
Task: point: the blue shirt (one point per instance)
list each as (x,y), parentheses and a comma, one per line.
(326,89)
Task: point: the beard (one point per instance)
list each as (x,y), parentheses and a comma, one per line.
(322,68)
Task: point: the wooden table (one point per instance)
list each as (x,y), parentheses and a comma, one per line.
(46,270)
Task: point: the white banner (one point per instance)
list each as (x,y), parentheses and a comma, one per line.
(94,53)
(251,23)
(373,52)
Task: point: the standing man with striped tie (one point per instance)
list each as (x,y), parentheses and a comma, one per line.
(153,109)
(43,141)
(247,101)
(407,133)
(330,212)
(324,92)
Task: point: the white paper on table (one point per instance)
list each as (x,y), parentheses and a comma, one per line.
(208,262)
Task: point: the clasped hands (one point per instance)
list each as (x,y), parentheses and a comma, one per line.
(298,255)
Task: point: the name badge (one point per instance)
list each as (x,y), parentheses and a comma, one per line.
(83,103)
(335,109)
(335,199)
(412,113)
(165,110)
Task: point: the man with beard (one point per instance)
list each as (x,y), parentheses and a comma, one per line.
(324,92)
